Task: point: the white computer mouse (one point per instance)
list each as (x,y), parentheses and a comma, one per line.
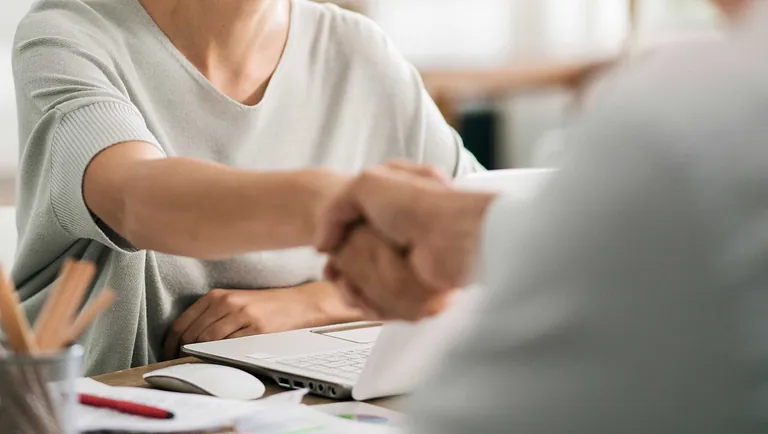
(207,379)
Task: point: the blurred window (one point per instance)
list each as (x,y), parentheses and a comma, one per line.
(577,28)
(663,20)
(447,32)
(483,32)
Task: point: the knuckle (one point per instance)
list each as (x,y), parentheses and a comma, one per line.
(257,325)
(216,293)
(228,300)
(398,164)
(435,173)
(369,175)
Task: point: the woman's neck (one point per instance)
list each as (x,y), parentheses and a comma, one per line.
(236,44)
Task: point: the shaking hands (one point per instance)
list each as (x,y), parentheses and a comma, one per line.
(401,240)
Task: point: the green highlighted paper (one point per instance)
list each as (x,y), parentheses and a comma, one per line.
(366,418)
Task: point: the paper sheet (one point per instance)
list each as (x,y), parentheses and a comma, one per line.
(86,383)
(291,397)
(192,412)
(306,420)
(363,412)
(278,414)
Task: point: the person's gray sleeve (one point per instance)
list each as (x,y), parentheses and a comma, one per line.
(606,313)
(73,94)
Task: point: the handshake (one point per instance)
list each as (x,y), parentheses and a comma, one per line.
(401,240)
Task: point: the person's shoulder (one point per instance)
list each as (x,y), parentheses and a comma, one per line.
(651,75)
(338,21)
(682,86)
(64,23)
(353,36)
(696,107)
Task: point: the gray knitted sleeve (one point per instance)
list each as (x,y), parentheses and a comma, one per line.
(75,94)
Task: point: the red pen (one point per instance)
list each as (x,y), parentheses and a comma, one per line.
(125,407)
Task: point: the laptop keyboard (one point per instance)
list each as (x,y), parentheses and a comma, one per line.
(347,364)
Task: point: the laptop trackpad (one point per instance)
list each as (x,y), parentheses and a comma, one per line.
(366,334)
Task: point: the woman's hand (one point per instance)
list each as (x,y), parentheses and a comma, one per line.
(227,314)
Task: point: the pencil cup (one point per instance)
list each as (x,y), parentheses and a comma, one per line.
(28,403)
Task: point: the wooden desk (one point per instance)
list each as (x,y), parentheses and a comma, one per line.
(133,378)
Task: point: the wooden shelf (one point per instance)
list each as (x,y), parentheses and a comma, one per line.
(510,79)
(449,86)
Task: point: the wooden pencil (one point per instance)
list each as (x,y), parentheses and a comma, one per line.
(23,389)
(73,287)
(89,314)
(64,314)
(14,321)
(44,323)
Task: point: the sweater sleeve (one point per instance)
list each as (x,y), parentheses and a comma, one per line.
(437,142)
(73,105)
(424,133)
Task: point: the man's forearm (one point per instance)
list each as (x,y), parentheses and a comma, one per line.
(200,209)
(450,232)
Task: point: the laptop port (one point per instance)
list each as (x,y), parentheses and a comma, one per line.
(311,386)
(283,382)
(333,391)
(320,388)
(298,384)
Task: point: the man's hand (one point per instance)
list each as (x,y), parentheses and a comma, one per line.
(436,227)
(379,280)
(227,314)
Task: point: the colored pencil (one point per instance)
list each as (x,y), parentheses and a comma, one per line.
(89,314)
(63,313)
(44,323)
(14,321)
(125,407)
(23,387)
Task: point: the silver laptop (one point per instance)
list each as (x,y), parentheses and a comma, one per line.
(367,360)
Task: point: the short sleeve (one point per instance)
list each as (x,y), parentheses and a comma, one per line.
(439,144)
(72,106)
(78,138)
(427,137)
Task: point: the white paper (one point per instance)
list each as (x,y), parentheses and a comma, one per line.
(192,412)
(89,384)
(301,419)
(278,414)
(363,411)
(291,397)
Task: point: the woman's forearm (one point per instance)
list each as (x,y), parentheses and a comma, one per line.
(206,210)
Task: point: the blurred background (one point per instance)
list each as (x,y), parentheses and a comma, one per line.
(505,73)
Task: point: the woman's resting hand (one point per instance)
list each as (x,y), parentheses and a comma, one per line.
(227,314)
